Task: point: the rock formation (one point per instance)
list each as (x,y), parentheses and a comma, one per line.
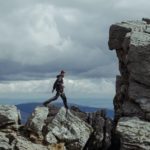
(135,133)
(64,127)
(131,40)
(101,137)
(54,129)
(9,115)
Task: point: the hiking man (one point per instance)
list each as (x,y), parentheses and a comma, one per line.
(59,87)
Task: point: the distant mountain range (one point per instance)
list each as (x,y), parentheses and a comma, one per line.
(27,108)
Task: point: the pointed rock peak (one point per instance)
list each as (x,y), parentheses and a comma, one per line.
(68,128)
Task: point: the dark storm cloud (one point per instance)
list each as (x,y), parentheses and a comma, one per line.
(38,38)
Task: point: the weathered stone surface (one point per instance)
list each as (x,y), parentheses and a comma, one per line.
(4,142)
(55,129)
(97,137)
(147,20)
(77,112)
(9,115)
(134,134)
(24,144)
(131,40)
(132,48)
(53,110)
(37,120)
(130,108)
(102,128)
(70,129)
(50,138)
(107,134)
(116,36)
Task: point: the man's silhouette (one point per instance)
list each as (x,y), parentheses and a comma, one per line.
(59,87)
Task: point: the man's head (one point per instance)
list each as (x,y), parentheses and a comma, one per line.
(62,72)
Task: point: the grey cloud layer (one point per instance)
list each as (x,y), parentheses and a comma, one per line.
(38,38)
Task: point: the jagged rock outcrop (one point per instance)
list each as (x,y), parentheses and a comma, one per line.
(70,129)
(55,129)
(64,127)
(36,122)
(101,137)
(131,40)
(11,135)
(9,116)
(132,43)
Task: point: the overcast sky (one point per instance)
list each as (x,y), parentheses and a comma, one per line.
(38,38)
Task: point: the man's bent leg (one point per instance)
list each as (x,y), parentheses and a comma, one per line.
(51,99)
(63,96)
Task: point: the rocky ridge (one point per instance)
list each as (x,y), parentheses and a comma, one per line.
(131,40)
(53,129)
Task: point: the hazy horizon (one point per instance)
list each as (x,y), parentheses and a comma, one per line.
(97,103)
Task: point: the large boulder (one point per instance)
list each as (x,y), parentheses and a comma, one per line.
(131,40)
(134,133)
(37,120)
(54,126)
(68,128)
(9,115)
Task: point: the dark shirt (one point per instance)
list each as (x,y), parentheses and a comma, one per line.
(58,85)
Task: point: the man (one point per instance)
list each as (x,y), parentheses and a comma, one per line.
(59,87)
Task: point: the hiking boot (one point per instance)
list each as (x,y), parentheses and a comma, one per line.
(67,113)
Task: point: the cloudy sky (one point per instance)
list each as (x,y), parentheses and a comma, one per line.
(38,38)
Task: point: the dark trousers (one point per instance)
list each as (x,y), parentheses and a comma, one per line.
(62,95)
